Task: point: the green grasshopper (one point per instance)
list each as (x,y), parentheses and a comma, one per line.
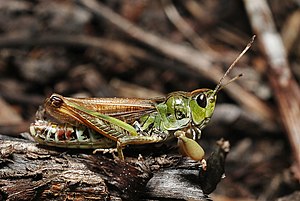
(109,124)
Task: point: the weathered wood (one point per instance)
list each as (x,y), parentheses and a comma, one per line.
(293,197)
(178,184)
(33,172)
(30,172)
(215,170)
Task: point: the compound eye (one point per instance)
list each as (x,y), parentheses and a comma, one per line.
(201,100)
(56,101)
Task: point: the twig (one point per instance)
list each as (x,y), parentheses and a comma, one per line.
(117,48)
(286,89)
(186,30)
(290,31)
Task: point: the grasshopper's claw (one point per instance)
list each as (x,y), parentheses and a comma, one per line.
(112,151)
(109,150)
(189,147)
(104,151)
(203,164)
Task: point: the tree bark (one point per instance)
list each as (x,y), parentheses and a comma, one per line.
(33,172)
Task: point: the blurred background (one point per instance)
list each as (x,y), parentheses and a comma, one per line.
(147,49)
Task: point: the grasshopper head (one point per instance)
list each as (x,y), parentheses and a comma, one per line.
(180,109)
(203,101)
(202,105)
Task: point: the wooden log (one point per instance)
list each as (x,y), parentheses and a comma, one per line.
(33,172)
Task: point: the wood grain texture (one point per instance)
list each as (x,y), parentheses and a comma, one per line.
(33,172)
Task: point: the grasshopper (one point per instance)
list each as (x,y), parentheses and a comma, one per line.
(109,124)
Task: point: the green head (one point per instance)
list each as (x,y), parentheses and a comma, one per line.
(185,109)
(182,109)
(193,109)
(202,105)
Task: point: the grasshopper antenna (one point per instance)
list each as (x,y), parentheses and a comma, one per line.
(232,80)
(219,85)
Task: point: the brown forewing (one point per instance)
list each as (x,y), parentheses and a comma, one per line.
(125,109)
